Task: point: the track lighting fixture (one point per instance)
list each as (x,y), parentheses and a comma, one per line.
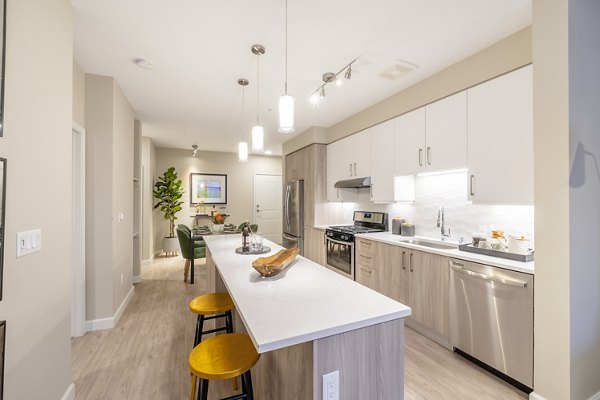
(195,151)
(332,77)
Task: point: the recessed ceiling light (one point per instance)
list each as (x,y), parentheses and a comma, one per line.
(268,152)
(143,64)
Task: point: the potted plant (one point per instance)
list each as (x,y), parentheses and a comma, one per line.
(168,192)
(218,220)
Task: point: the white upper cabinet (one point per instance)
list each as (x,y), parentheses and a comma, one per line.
(362,154)
(382,162)
(409,132)
(446,133)
(348,158)
(500,139)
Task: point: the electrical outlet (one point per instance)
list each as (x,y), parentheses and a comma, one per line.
(331,386)
(121,279)
(29,242)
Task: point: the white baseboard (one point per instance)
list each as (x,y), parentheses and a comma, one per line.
(535,396)
(70,393)
(137,279)
(123,305)
(147,262)
(595,397)
(109,323)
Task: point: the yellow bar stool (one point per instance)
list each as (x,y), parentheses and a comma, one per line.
(223,357)
(212,306)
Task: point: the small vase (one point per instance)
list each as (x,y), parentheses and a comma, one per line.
(218,228)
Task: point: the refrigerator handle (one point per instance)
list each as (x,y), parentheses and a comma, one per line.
(287,206)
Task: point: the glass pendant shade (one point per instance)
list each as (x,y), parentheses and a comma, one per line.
(242,151)
(286,114)
(258,138)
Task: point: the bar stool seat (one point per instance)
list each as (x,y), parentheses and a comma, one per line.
(223,357)
(211,306)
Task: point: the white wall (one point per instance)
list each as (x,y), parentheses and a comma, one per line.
(447,190)
(36,301)
(78,95)
(240,181)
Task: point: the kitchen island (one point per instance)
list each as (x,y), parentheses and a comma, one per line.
(309,321)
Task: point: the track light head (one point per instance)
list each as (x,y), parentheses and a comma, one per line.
(348,74)
(322,92)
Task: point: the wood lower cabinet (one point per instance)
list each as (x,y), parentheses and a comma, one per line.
(428,295)
(415,278)
(314,245)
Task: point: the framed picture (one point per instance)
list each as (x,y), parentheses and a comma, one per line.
(2,347)
(2,53)
(208,188)
(2,213)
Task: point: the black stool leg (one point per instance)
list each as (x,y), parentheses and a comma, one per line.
(244,387)
(229,321)
(203,392)
(249,385)
(199,328)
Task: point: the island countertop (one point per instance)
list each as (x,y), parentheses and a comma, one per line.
(305,302)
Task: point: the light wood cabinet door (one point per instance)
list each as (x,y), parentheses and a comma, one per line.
(428,290)
(382,162)
(393,272)
(446,133)
(409,138)
(314,245)
(500,139)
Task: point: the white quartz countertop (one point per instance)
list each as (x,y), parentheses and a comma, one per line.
(305,302)
(387,237)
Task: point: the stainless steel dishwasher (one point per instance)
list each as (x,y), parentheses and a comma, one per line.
(491,318)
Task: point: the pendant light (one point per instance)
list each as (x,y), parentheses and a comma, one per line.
(286,102)
(243,145)
(258,133)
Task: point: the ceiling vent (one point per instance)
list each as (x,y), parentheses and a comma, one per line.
(397,70)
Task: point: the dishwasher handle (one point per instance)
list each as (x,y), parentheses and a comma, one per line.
(460,268)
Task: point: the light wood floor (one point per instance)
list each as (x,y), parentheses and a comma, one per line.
(145,355)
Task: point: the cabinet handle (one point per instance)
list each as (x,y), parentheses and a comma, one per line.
(363,256)
(365,270)
(371,190)
(428,155)
(350,169)
(403,260)
(411,262)
(471,185)
(420,157)
(354,169)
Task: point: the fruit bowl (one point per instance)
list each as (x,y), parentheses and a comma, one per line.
(272,265)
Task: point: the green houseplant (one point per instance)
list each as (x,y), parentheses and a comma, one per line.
(168,192)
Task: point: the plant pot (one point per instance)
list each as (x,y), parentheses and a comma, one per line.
(218,228)
(170,245)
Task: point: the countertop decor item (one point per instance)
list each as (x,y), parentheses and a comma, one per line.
(265,250)
(271,266)
(407,229)
(397,225)
(495,253)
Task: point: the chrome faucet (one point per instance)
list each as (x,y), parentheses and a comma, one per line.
(441,224)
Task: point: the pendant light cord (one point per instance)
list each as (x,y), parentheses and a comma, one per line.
(257,85)
(286,45)
(243,113)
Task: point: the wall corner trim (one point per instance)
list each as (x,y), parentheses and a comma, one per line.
(535,396)
(69,393)
(109,323)
(137,279)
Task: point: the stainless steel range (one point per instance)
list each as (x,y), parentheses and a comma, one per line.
(340,240)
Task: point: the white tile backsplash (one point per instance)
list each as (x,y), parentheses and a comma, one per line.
(432,191)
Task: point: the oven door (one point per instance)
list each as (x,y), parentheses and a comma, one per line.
(340,257)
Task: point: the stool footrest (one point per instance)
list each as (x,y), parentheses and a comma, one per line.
(236,397)
(215,316)
(214,330)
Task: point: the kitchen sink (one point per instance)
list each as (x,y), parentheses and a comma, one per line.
(427,243)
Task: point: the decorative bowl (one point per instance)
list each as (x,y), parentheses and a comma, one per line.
(272,265)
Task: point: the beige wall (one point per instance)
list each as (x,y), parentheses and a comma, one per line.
(240,181)
(78,95)
(504,56)
(109,191)
(122,196)
(36,301)
(98,196)
(149,172)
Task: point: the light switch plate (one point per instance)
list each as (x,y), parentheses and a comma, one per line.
(29,242)
(331,386)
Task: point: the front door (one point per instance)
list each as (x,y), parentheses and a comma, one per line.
(267,206)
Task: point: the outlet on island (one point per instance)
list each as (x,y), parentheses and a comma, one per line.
(331,386)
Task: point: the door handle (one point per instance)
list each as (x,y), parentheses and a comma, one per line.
(420,157)
(411,263)
(496,279)
(428,155)
(471,178)
(403,260)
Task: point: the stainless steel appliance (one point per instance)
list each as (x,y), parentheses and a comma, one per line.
(340,240)
(293,215)
(491,319)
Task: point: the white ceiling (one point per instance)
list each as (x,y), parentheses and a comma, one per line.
(199,49)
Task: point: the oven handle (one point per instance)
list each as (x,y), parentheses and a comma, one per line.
(338,242)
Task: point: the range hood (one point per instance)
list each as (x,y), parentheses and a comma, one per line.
(356,183)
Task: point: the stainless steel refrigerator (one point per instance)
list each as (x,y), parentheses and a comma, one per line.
(293,215)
